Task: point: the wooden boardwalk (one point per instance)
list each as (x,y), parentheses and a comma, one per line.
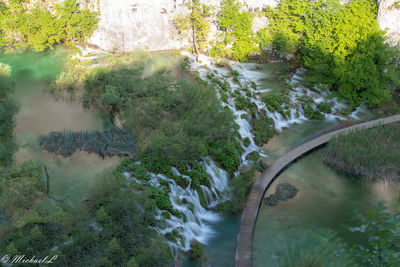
(250,212)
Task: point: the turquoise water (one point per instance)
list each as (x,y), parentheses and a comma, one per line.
(40,113)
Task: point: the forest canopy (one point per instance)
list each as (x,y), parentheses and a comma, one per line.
(341,45)
(41,26)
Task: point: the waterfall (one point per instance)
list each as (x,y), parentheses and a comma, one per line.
(193,219)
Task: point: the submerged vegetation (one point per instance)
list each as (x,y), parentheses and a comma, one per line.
(110,142)
(373,153)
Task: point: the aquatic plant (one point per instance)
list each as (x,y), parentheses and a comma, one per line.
(110,142)
(373,154)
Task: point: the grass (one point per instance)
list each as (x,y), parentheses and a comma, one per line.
(373,154)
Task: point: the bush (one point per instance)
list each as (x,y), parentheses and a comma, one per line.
(240,186)
(263,129)
(274,103)
(313,114)
(227,154)
(325,107)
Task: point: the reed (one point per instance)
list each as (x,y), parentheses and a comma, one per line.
(373,153)
(110,142)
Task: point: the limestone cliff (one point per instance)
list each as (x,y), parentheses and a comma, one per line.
(389,19)
(129,24)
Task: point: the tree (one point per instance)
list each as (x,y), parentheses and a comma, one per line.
(238,41)
(24,26)
(195,25)
(341,45)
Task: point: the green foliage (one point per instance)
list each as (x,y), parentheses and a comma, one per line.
(25,181)
(65,85)
(274,102)
(8,110)
(33,239)
(194,25)
(227,154)
(382,229)
(37,27)
(196,251)
(263,129)
(370,153)
(112,230)
(286,26)
(239,188)
(341,45)
(237,40)
(313,114)
(127,215)
(172,120)
(325,107)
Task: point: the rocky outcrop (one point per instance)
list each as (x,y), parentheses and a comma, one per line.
(128,24)
(389,19)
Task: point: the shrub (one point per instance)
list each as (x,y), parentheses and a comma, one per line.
(274,103)
(313,114)
(263,129)
(239,188)
(325,107)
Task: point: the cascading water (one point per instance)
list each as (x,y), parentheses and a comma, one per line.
(192,222)
(191,218)
(249,75)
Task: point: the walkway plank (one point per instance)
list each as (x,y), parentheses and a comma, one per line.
(250,212)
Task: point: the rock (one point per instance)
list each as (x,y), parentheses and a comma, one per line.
(271,200)
(128,24)
(389,20)
(285,191)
